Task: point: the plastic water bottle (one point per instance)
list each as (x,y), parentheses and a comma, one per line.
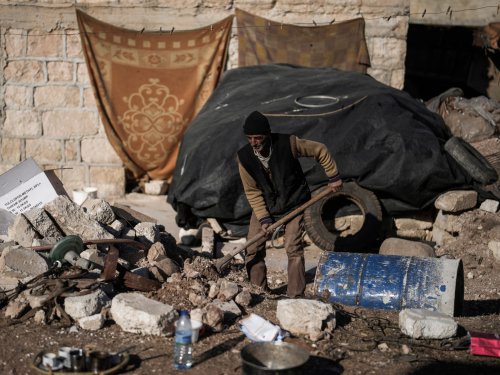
(183,351)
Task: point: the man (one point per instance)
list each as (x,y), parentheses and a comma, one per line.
(274,185)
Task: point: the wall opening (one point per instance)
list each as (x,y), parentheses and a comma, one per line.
(440,57)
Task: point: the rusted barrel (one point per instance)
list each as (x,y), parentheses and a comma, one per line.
(391,282)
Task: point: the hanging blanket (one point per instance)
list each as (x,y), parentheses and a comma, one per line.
(341,45)
(149,86)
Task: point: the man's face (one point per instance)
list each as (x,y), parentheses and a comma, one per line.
(258,141)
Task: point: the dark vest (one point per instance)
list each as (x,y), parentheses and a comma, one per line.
(286,187)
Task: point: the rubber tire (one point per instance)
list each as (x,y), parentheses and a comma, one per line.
(471,160)
(364,240)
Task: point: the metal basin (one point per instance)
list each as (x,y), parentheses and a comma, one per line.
(267,358)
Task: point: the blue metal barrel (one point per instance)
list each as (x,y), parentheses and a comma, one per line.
(391,282)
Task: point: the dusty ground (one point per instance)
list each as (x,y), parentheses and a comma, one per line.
(365,341)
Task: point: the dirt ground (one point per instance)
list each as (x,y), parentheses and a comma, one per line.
(364,342)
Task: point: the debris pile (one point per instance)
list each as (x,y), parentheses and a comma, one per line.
(123,254)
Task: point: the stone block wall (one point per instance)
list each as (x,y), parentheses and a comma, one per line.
(47,108)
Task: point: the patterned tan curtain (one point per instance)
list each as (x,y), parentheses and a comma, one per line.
(341,45)
(149,86)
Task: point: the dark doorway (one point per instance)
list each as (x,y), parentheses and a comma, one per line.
(439,58)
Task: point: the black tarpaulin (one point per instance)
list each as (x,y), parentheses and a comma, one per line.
(379,136)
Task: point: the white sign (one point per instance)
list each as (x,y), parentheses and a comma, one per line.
(33,193)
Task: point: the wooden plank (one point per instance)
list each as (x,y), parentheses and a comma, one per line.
(130,215)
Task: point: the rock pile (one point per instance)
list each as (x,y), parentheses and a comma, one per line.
(128,254)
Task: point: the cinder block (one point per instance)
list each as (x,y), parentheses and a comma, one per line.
(421,323)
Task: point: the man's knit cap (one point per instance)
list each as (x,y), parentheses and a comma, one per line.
(256,123)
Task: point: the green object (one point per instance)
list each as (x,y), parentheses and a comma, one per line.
(67,244)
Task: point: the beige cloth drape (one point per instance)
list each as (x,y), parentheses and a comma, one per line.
(149,86)
(341,45)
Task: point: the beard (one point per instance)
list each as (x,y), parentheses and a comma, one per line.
(263,146)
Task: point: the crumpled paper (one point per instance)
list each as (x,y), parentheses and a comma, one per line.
(259,329)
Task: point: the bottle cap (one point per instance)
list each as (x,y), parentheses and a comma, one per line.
(184,312)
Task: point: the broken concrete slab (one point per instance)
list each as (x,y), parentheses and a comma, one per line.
(22,232)
(147,233)
(414,234)
(43,224)
(213,317)
(305,317)
(244,298)
(426,324)
(72,219)
(116,228)
(456,201)
(227,290)
(92,323)
(230,309)
(418,221)
(136,313)
(22,262)
(207,241)
(156,187)
(156,251)
(494,247)
(398,246)
(489,205)
(99,210)
(89,304)
(451,223)
(16,308)
(167,267)
(441,237)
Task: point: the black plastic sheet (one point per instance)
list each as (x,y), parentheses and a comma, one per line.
(380,137)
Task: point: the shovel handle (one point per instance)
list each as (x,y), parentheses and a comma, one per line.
(221,263)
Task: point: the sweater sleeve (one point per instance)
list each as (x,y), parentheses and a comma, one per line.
(317,150)
(254,196)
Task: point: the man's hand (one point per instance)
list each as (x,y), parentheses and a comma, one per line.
(265,227)
(336,186)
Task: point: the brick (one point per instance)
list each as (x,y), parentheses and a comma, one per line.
(10,150)
(89,99)
(456,201)
(42,44)
(110,182)
(452,223)
(72,123)
(74,178)
(98,150)
(60,71)
(25,71)
(21,124)
(18,96)
(82,74)
(388,52)
(398,78)
(44,150)
(71,150)
(57,96)
(73,44)
(15,43)
(396,27)
(387,3)
(421,323)
(380,75)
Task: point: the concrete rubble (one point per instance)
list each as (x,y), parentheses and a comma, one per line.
(149,260)
(425,324)
(306,317)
